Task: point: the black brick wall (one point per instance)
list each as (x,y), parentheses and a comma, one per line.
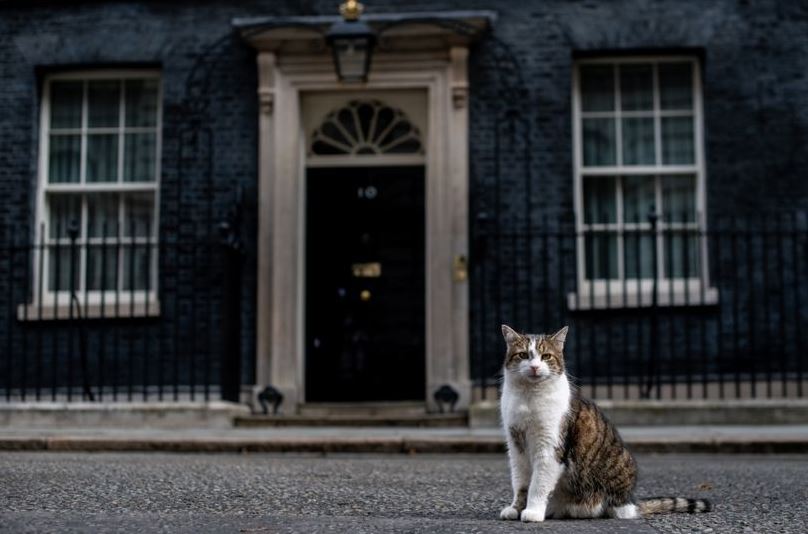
(755,66)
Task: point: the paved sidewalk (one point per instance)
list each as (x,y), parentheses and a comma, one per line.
(725,439)
(141,493)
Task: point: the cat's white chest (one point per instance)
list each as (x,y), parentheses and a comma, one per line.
(538,413)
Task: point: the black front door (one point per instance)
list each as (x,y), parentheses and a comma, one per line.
(365,299)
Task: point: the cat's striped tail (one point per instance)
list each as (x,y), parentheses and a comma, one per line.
(667,505)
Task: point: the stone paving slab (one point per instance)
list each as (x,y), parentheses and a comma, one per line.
(752,439)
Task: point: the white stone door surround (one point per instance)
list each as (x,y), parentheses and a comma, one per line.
(285,75)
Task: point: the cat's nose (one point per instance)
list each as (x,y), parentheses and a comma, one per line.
(535,369)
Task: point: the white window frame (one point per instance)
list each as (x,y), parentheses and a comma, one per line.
(49,304)
(622,292)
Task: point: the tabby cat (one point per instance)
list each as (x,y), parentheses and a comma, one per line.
(567,460)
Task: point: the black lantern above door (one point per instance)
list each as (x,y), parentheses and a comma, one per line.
(352,42)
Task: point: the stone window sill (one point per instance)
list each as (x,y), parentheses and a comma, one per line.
(585,300)
(123,309)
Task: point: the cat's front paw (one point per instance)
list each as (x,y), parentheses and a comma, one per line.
(532,515)
(509,513)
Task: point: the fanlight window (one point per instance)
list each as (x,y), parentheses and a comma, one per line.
(366,128)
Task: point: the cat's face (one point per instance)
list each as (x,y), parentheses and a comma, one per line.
(534,358)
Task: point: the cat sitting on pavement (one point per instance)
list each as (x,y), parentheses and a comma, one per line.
(567,460)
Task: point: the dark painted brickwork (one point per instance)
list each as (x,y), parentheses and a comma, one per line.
(755,98)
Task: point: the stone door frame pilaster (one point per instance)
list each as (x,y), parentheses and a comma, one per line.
(282,79)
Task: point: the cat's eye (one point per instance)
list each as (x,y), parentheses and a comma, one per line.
(521,355)
(546,357)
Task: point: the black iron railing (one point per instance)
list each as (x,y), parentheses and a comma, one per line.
(661,309)
(121,317)
(657,310)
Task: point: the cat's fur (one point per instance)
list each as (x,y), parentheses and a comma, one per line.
(567,459)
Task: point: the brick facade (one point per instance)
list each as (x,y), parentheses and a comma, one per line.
(755,86)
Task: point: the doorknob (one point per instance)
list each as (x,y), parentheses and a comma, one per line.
(461,268)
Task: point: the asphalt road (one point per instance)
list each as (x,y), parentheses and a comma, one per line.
(65,492)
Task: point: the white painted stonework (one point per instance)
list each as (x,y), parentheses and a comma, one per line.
(296,78)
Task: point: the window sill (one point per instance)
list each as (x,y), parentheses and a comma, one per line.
(642,299)
(93,310)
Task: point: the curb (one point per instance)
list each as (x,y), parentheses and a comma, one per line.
(677,412)
(371,445)
(454,420)
(178,415)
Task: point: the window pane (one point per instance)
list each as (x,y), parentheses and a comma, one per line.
(638,255)
(59,267)
(679,198)
(597,87)
(638,198)
(677,140)
(676,85)
(636,87)
(103,103)
(136,267)
(681,261)
(638,141)
(599,142)
(139,214)
(63,211)
(102,267)
(102,215)
(141,103)
(102,158)
(65,104)
(599,199)
(64,159)
(601,256)
(139,157)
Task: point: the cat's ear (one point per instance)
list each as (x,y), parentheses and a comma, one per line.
(509,334)
(561,336)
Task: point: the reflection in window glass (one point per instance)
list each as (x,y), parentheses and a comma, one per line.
(139,157)
(601,256)
(64,159)
(599,142)
(676,86)
(639,198)
(139,214)
(677,140)
(65,104)
(64,272)
(600,200)
(141,103)
(64,211)
(104,103)
(636,87)
(136,268)
(102,268)
(102,215)
(638,255)
(597,88)
(638,141)
(681,261)
(102,158)
(679,198)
